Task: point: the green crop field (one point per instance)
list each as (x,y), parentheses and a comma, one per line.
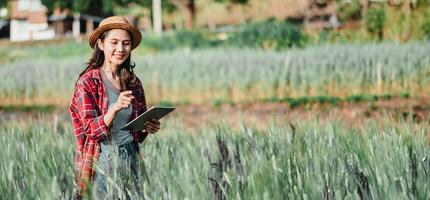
(274,99)
(233,75)
(299,160)
(384,158)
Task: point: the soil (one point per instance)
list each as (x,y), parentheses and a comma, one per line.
(263,114)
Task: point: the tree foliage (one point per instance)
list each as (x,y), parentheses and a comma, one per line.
(243,2)
(3,3)
(348,11)
(111,7)
(96,7)
(375,20)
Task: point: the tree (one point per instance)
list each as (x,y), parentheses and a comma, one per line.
(166,5)
(188,8)
(3,3)
(243,2)
(106,7)
(375,21)
(93,7)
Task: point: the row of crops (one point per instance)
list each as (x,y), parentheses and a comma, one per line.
(235,75)
(303,160)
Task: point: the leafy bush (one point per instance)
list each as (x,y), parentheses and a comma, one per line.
(375,20)
(349,11)
(158,43)
(191,39)
(270,34)
(182,38)
(425,26)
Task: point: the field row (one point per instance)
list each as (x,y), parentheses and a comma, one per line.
(305,160)
(238,75)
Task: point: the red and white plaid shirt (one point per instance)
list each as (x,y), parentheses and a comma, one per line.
(88,106)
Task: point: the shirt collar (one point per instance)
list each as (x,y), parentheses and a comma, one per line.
(96,74)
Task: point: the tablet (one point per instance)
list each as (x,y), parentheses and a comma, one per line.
(156,112)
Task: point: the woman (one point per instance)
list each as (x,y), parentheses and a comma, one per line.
(108,95)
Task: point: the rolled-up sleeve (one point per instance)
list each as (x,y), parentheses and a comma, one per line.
(139,136)
(90,114)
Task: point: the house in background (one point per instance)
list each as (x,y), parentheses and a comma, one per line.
(29,21)
(67,25)
(4,28)
(4,24)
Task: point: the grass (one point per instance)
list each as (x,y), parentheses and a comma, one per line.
(233,75)
(15,52)
(32,108)
(292,102)
(303,160)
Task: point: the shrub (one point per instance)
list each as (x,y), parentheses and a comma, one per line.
(182,38)
(425,26)
(349,11)
(158,43)
(270,34)
(192,39)
(375,19)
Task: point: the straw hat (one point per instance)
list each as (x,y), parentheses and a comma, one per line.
(116,22)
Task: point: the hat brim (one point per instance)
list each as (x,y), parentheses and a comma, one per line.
(135,34)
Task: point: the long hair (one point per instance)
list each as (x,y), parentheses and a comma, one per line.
(124,71)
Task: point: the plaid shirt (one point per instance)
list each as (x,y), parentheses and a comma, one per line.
(88,106)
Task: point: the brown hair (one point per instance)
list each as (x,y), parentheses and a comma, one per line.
(124,71)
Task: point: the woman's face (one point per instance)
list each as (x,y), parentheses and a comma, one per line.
(116,46)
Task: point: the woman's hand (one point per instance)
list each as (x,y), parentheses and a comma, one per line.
(152,126)
(124,100)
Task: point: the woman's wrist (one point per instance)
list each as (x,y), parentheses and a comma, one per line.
(113,110)
(109,116)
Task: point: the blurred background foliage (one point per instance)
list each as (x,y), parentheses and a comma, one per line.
(354,25)
(379,22)
(187,23)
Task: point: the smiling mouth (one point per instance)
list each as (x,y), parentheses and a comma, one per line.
(119,56)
